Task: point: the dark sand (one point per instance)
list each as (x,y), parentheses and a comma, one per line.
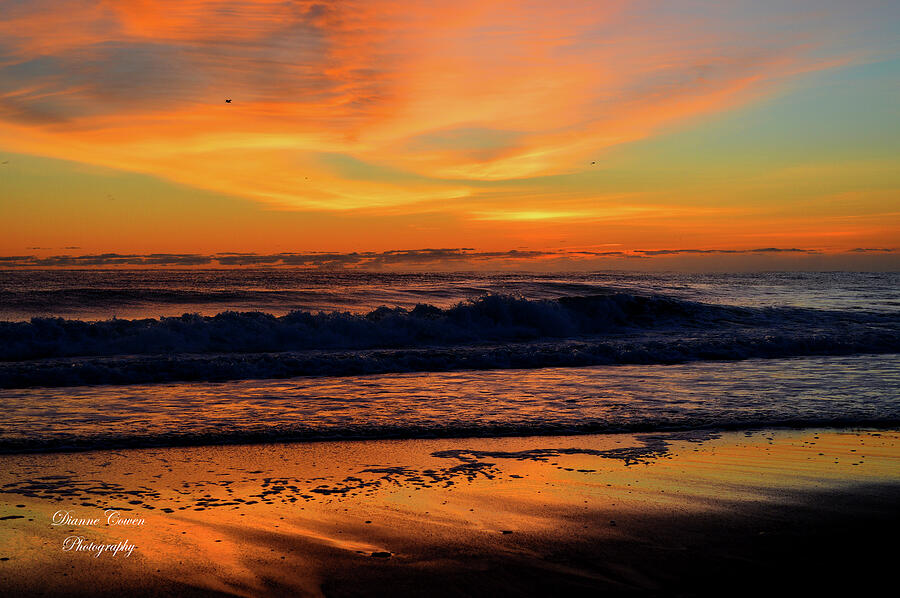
(762,513)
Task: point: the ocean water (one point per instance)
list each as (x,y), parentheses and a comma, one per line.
(146,358)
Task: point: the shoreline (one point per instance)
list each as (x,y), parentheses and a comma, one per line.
(250,440)
(620,513)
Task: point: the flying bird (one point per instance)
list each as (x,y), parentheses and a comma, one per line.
(228,101)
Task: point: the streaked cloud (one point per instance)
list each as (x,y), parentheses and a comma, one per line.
(351,105)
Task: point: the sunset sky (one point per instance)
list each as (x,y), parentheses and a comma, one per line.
(736,134)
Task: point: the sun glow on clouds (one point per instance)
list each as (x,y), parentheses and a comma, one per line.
(367,125)
(597,214)
(423,101)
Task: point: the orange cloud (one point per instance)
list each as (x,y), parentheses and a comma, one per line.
(348,105)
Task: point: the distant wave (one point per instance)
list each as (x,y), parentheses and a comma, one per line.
(495,331)
(74,297)
(99,297)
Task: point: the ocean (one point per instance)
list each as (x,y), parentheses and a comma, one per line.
(118,358)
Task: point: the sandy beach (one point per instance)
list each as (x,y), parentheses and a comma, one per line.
(659,514)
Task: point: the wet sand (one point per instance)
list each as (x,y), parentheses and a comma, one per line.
(656,514)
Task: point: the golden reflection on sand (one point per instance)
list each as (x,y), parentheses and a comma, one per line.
(238,519)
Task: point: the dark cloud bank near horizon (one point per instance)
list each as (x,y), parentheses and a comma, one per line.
(389,259)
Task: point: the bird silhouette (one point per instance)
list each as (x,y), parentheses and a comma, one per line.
(228,101)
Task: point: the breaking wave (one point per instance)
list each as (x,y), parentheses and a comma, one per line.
(494,318)
(495,331)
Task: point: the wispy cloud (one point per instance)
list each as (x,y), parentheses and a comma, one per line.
(423,100)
